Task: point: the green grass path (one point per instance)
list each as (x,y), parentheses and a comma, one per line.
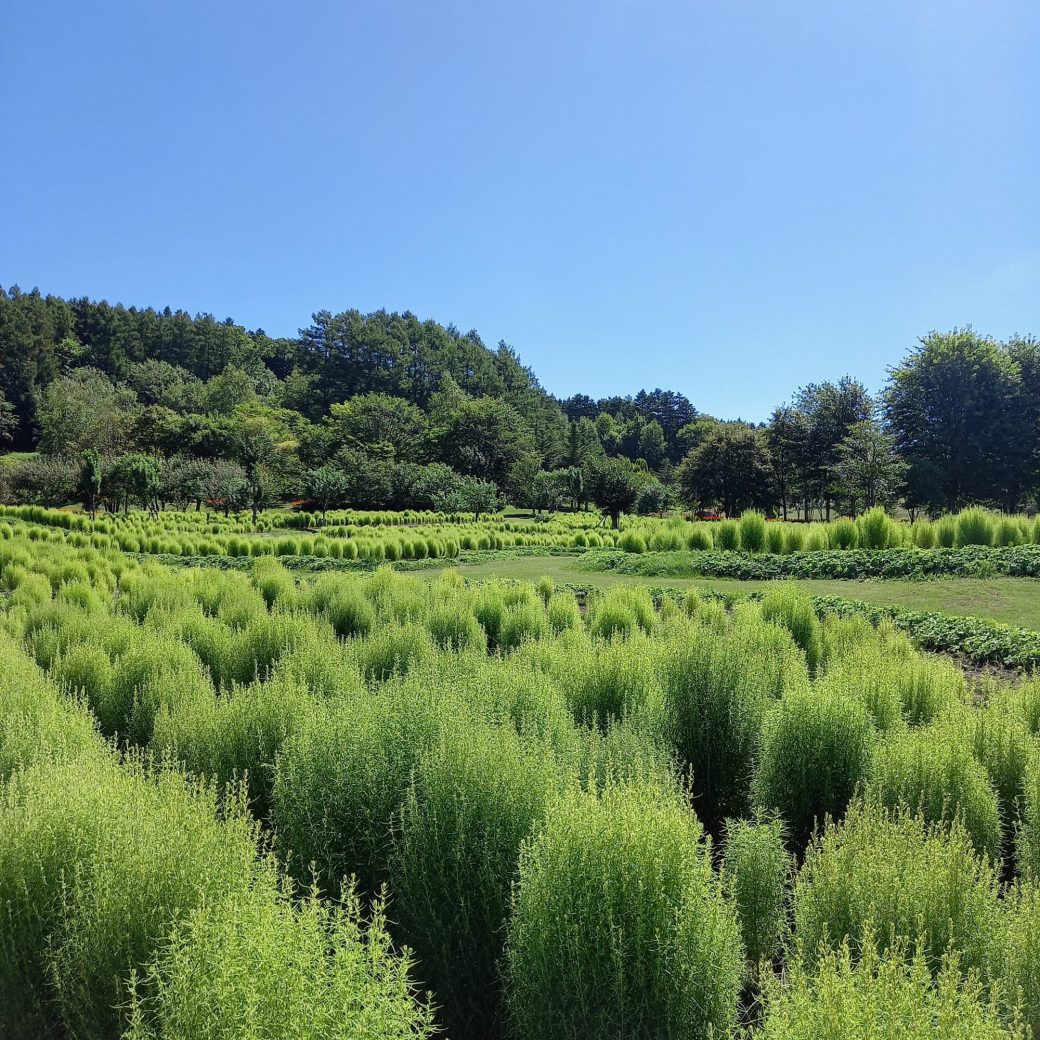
(1015,601)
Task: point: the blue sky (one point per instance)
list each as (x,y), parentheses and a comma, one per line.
(727,199)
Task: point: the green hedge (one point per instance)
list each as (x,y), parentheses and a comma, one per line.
(981,641)
(1018,561)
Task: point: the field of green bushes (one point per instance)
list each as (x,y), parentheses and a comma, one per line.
(263,802)
(749,547)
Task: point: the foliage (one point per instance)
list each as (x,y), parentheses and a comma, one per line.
(616,896)
(756,870)
(893,877)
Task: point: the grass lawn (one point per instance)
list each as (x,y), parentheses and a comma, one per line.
(13,458)
(1015,601)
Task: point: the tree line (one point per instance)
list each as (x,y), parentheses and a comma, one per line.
(127,405)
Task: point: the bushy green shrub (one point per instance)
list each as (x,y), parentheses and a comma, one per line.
(563,612)
(1028,837)
(620,612)
(489,608)
(97,864)
(1013,960)
(477,792)
(756,869)
(235,737)
(454,626)
(716,688)
(340,779)
(1000,738)
(866,673)
(350,612)
(922,534)
(946,532)
(522,622)
(787,605)
(775,539)
(875,529)
(618,925)
(893,877)
(727,536)
(256,962)
(844,534)
(394,650)
(974,527)
(933,771)
(699,539)
(35,721)
(632,542)
(1007,532)
(602,683)
(868,995)
(816,751)
(752,531)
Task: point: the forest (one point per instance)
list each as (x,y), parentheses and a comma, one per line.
(118,406)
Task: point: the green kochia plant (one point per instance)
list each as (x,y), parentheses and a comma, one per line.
(934,771)
(752,531)
(975,527)
(312,969)
(717,687)
(893,876)
(475,795)
(865,994)
(816,750)
(789,606)
(618,925)
(756,869)
(98,862)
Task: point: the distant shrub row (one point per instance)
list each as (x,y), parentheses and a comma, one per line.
(974,562)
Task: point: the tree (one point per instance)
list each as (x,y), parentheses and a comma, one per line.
(134,477)
(583,443)
(951,403)
(693,434)
(83,410)
(671,411)
(225,392)
(8,420)
(258,451)
(652,447)
(187,480)
(45,480)
(468,495)
(614,485)
(369,481)
(167,386)
(922,487)
(868,471)
(828,411)
(483,438)
(652,498)
(729,468)
(523,483)
(551,488)
(1024,475)
(381,425)
(328,486)
(572,480)
(91,476)
(155,429)
(785,439)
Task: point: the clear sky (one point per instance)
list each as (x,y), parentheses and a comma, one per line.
(724,198)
